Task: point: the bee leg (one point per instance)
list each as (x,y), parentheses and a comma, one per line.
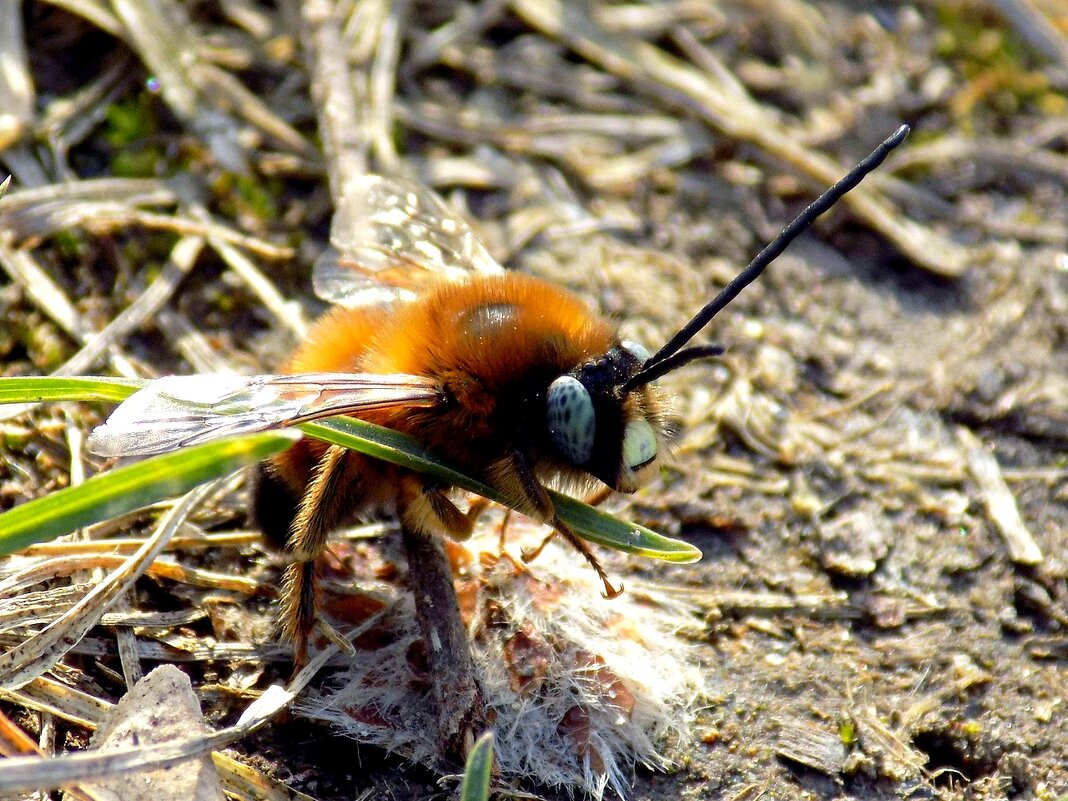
(595,498)
(560,527)
(297,615)
(429,509)
(425,513)
(475,510)
(324,504)
(598,496)
(580,545)
(514,479)
(530,554)
(503,530)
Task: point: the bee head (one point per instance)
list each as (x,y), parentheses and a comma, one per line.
(600,427)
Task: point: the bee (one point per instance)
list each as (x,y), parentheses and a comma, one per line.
(508,377)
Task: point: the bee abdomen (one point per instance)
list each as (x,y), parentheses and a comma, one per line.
(274,505)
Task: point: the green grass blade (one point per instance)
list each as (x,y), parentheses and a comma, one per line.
(588,523)
(604,529)
(35,388)
(127,488)
(478,770)
(383,443)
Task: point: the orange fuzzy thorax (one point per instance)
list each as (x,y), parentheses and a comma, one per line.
(493,342)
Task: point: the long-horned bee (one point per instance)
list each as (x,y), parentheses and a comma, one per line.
(508,377)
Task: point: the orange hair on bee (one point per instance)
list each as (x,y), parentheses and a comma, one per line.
(484,340)
(487,340)
(338,340)
(496,327)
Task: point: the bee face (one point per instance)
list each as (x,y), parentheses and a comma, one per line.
(599,427)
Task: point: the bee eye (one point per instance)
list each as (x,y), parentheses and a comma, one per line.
(636,349)
(572,421)
(639,444)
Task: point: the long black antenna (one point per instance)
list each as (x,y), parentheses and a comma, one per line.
(654,367)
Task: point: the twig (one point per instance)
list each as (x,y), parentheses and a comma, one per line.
(287,312)
(1000,503)
(35,773)
(31,658)
(95,12)
(17,95)
(383,86)
(799,741)
(183,256)
(194,347)
(26,272)
(229,92)
(340,128)
(69,120)
(164,38)
(1040,32)
(160,568)
(468,22)
(1005,155)
(125,545)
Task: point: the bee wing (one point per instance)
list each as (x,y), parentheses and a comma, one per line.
(177,411)
(390,238)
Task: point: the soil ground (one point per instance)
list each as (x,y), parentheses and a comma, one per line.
(866,631)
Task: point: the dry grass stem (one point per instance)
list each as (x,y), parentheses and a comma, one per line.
(38,653)
(1000,503)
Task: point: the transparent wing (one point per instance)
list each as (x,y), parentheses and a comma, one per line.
(390,238)
(177,411)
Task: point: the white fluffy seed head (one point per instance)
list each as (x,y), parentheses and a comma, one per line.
(571,419)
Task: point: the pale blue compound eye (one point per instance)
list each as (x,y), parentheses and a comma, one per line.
(636,349)
(571,419)
(639,444)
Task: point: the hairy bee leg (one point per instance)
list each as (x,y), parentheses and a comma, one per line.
(560,527)
(425,513)
(529,555)
(598,496)
(515,480)
(297,614)
(476,509)
(595,498)
(580,545)
(322,506)
(513,477)
(503,530)
(429,509)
